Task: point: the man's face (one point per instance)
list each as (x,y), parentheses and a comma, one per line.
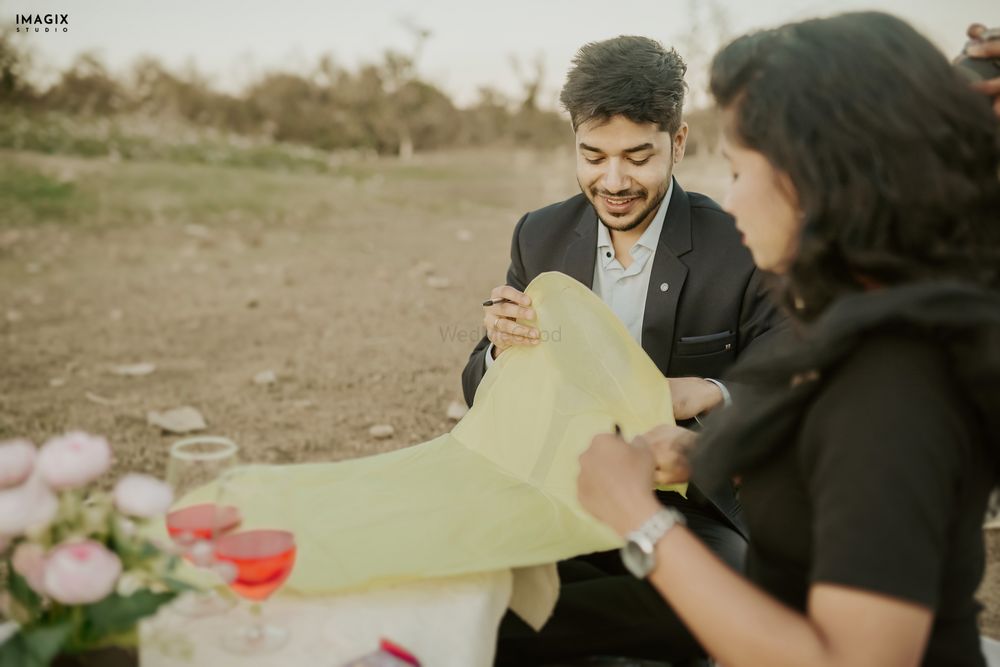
(624,168)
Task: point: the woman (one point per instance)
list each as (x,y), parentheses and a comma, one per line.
(865,178)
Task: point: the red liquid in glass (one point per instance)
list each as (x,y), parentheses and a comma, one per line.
(263,560)
(202,522)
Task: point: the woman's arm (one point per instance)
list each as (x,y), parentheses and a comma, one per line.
(735,621)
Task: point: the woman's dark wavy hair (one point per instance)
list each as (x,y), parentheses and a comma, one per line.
(894,159)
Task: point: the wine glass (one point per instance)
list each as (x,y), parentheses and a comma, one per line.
(195,521)
(259,560)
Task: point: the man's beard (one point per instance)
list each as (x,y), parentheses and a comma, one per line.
(639,219)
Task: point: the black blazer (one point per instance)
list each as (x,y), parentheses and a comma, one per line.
(706,302)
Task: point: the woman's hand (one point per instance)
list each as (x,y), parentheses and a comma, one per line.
(616,483)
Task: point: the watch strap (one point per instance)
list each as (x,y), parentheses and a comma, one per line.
(655,527)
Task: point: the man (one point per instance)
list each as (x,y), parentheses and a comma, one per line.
(671,265)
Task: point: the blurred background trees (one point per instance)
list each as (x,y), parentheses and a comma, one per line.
(383,108)
(15,63)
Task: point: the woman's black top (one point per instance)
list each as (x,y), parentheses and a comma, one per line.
(883,490)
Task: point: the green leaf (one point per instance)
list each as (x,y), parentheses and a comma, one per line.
(129,639)
(177,585)
(149,550)
(35,646)
(117,614)
(14,653)
(21,592)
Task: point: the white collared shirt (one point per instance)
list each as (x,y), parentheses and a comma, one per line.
(624,290)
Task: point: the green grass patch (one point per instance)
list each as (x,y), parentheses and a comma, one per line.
(28,195)
(141,139)
(127,171)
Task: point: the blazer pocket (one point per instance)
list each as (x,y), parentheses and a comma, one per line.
(697,346)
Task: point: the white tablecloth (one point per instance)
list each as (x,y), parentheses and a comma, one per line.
(444,622)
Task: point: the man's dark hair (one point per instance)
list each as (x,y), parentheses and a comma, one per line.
(634,77)
(893,157)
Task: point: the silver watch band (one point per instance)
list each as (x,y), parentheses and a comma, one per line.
(639,552)
(656,526)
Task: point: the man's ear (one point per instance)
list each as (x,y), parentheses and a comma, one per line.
(680,143)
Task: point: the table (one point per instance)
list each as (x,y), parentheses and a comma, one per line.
(445,622)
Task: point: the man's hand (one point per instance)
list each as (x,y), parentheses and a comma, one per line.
(693,396)
(985,49)
(671,447)
(499,319)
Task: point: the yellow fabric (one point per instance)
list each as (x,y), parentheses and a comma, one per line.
(497,492)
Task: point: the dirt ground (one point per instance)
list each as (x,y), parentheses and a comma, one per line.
(217,274)
(360,290)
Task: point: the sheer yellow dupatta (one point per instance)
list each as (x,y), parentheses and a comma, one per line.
(499,491)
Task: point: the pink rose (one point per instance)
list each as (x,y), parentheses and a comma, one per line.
(17,458)
(27,507)
(142,496)
(73,460)
(29,562)
(81,572)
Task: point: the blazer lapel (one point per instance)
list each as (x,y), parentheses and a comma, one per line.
(666,280)
(581,252)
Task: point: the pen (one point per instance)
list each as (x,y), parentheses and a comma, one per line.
(493,302)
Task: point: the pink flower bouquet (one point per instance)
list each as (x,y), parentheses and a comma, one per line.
(76,573)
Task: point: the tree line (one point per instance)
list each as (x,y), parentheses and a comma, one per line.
(384,107)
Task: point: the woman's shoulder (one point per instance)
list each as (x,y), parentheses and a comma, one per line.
(891,366)
(894,391)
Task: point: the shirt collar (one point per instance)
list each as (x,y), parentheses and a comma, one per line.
(651,236)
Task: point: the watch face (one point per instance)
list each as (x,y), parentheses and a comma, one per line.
(636,560)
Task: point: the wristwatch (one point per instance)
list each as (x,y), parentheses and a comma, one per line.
(639,552)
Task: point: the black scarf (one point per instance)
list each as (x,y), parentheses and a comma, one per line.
(772,392)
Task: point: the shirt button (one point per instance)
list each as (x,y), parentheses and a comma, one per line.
(664,287)
(609,254)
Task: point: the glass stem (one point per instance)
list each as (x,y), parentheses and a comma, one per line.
(255,632)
